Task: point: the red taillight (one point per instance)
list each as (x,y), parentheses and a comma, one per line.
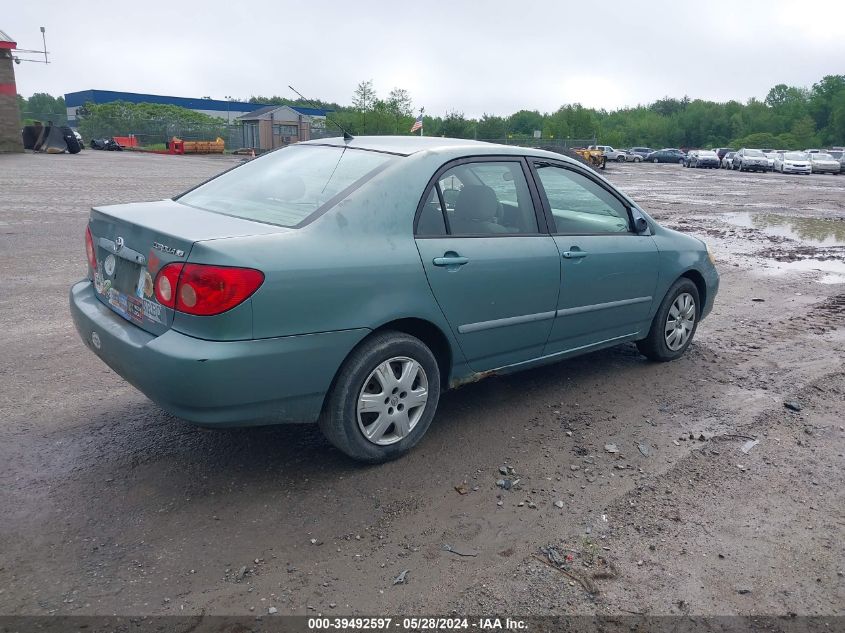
(165,284)
(89,250)
(205,290)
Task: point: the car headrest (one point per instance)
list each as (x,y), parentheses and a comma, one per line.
(477,202)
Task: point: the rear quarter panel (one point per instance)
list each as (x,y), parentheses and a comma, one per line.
(355,266)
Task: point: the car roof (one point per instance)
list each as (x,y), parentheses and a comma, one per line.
(408,145)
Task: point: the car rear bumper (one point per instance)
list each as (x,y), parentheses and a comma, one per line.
(216,383)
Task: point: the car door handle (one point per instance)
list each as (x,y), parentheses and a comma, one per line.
(450,260)
(574,254)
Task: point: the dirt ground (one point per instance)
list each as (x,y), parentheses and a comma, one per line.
(111,506)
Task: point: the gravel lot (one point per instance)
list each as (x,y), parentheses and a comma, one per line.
(112,506)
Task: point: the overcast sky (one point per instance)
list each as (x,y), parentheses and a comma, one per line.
(482,56)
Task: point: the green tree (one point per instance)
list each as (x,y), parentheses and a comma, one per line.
(152,123)
(400,107)
(43,107)
(455,125)
(491,127)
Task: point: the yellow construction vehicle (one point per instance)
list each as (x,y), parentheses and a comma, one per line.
(594,157)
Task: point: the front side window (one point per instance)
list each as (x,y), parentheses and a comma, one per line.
(579,205)
(487,198)
(288,185)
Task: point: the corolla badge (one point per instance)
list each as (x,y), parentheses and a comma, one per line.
(168,249)
(118,244)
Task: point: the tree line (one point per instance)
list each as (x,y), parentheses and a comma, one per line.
(789,117)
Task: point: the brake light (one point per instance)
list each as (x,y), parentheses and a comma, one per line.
(205,290)
(89,250)
(165,284)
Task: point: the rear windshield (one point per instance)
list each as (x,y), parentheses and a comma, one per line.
(288,185)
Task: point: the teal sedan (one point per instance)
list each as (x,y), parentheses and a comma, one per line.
(349,282)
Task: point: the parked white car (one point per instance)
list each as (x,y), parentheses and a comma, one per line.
(728,160)
(792,163)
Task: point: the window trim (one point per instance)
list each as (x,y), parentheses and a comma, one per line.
(533,160)
(434,183)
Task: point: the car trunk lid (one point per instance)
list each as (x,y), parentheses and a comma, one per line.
(132,242)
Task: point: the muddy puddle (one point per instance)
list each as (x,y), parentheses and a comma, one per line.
(813,245)
(813,231)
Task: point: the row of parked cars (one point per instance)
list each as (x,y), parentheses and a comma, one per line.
(808,161)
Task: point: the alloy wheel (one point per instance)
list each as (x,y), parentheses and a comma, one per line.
(392,400)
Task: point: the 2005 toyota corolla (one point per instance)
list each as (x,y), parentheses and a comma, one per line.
(351,282)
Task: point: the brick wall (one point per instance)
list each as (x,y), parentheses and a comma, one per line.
(10,116)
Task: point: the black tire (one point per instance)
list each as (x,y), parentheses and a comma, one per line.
(620,159)
(656,161)
(654,345)
(339,419)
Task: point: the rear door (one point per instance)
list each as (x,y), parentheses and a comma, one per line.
(492,267)
(608,271)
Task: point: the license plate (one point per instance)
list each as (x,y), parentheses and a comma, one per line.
(126,276)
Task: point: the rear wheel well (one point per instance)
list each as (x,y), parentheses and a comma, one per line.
(698,279)
(434,339)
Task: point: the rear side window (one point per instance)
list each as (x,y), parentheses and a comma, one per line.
(482,198)
(288,185)
(579,205)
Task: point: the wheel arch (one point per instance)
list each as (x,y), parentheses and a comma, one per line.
(426,331)
(698,279)
(432,336)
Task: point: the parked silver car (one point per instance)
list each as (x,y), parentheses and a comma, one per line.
(770,156)
(728,160)
(822,163)
(839,154)
(792,163)
(750,160)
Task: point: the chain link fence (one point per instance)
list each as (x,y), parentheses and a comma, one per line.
(155,134)
(561,146)
(30,116)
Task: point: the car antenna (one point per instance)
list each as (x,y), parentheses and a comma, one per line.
(346,135)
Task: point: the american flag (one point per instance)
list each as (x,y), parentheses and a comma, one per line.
(417,124)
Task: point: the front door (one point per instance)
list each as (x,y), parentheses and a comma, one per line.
(493,271)
(608,271)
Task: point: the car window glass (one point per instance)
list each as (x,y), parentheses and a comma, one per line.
(580,205)
(430,222)
(488,198)
(286,186)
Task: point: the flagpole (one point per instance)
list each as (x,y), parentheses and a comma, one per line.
(422,129)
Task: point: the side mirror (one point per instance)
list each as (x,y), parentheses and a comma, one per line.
(641,225)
